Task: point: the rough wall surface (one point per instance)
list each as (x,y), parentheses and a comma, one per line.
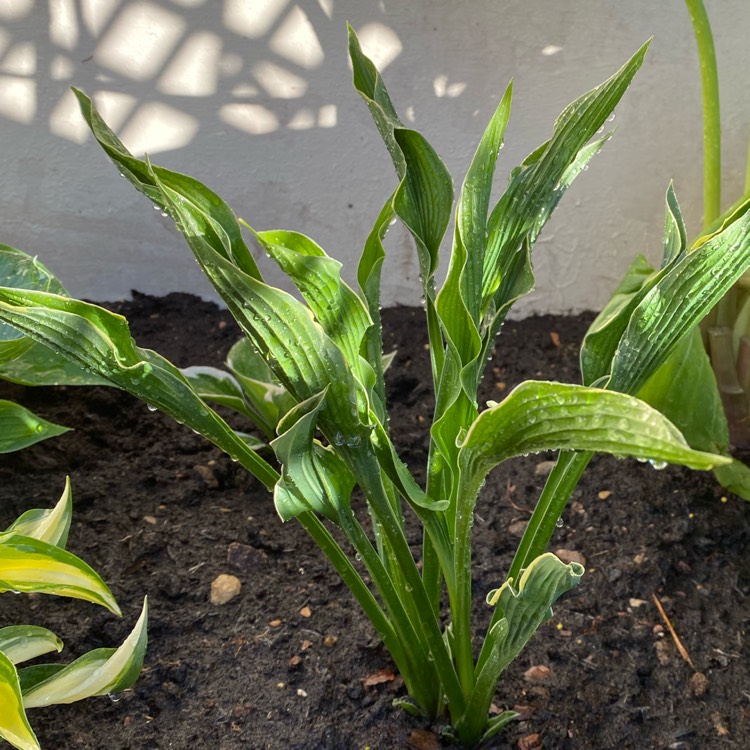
(254,99)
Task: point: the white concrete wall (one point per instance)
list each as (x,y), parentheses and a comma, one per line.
(254,98)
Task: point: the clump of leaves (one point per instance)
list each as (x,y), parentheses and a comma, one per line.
(33,559)
(318,366)
(704,386)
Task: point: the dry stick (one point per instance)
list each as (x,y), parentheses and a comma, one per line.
(677,642)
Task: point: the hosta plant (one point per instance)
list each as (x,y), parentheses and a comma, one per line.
(33,559)
(321,357)
(704,386)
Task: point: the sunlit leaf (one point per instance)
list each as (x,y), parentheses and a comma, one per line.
(98,672)
(14,726)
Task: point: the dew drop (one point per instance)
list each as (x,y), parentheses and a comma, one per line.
(339,439)
(658,465)
(151,407)
(115,697)
(559,523)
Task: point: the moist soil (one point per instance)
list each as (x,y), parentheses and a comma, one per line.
(291,663)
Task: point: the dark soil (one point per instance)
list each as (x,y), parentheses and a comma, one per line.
(285,665)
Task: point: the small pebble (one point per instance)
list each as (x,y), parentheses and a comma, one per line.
(224,589)
(698,684)
(537,674)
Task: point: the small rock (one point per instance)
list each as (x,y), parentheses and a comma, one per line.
(207,474)
(422,739)
(544,467)
(151,520)
(244,557)
(537,674)
(294,662)
(330,640)
(719,725)
(224,589)
(531,742)
(570,555)
(305,612)
(699,684)
(635,603)
(604,494)
(517,528)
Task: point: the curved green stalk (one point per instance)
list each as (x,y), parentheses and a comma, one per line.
(711,114)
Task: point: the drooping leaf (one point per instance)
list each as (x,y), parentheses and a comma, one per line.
(424,198)
(14,726)
(20,428)
(198,211)
(23,642)
(30,565)
(100,340)
(539,416)
(98,672)
(39,365)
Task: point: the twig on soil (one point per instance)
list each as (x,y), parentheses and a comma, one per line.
(677,642)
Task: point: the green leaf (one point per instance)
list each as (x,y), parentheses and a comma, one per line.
(23,642)
(49,525)
(30,565)
(269,401)
(684,390)
(218,387)
(98,672)
(675,234)
(99,340)
(424,198)
(678,301)
(338,309)
(39,365)
(538,416)
(313,477)
(603,336)
(14,726)
(21,270)
(522,609)
(20,428)
(735,477)
(200,214)
(537,186)
(459,301)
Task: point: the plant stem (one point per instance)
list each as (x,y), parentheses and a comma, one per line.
(711,115)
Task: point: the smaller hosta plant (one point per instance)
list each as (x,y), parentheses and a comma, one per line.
(704,386)
(310,371)
(33,559)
